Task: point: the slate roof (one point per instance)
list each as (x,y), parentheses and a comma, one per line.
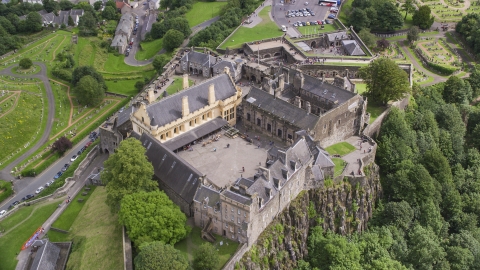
(124,116)
(281,109)
(125,24)
(337,36)
(61,18)
(195,133)
(323,159)
(171,169)
(352,47)
(212,195)
(169,109)
(237,197)
(119,41)
(46,257)
(326,90)
(222,64)
(199,58)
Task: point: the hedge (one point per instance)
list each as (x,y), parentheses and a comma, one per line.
(447,70)
(7,190)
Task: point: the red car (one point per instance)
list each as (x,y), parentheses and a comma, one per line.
(88,144)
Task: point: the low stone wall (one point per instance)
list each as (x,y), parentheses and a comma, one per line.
(373,129)
(236,257)
(127,251)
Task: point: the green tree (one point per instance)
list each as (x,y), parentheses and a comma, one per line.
(423,17)
(89,92)
(97,5)
(109,13)
(82,71)
(388,17)
(425,251)
(385,80)
(397,213)
(127,171)
(172,39)
(139,85)
(152,216)
(70,21)
(158,256)
(408,7)
(25,63)
(368,38)
(474,80)
(206,257)
(413,34)
(50,5)
(34,22)
(87,25)
(65,5)
(111,3)
(159,62)
(457,91)
(476,136)
(359,19)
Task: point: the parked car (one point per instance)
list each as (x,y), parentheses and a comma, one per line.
(28,197)
(65,167)
(74,158)
(331,16)
(88,144)
(83,149)
(39,190)
(49,183)
(3,212)
(306,3)
(308,23)
(58,175)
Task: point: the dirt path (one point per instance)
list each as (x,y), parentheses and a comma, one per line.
(70,99)
(54,55)
(13,93)
(13,107)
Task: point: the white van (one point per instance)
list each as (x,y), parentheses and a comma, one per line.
(284,28)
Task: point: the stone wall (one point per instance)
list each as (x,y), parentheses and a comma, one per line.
(372,130)
(343,208)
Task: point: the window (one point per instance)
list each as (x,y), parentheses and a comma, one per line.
(203,117)
(290,136)
(143,120)
(248,116)
(191,123)
(338,122)
(161,137)
(175,130)
(238,211)
(238,220)
(233,218)
(269,127)
(279,133)
(259,122)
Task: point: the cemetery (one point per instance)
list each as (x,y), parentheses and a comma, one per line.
(451,10)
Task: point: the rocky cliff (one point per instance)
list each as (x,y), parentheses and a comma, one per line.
(343,207)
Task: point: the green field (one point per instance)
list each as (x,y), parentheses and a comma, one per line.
(188,246)
(12,241)
(149,49)
(339,165)
(265,29)
(203,11)
(62,107)
(177,86)
(97,236)
(360,87)
(375,110)
(341,149)
(316,29)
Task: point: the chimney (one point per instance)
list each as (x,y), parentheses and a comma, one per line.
(298,102)
(185,81)
(151,96)
(226,70)
(281,82)
(309,108)
(211,94)
(323,77)
(298,81)
(185,107)
(346,72)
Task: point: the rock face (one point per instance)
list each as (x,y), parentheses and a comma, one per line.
(344,208)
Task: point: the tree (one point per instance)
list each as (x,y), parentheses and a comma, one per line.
(385,80)
(359,19)
(425,250)
(408,7)
(158,256)
(423,17)
(25,63)
(97,5)
(82,71)
(397,213)
(413,34)
(34,22)
(87,25)
(61,145)
(368,38)
(127,171)
(205,258)
(172,39)
(50,5)
(474,80)
(388,17)
(476,136)
(110,3)
(65,5)
(152,216)
(139,85)
(89,92)
(159,62)
(109,13)
(382,44)
(457,91)
(70,21)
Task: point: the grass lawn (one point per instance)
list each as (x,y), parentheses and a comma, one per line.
(375,110)
(149,49)
(12,241)
(341,149)
(117,64)
(97,236)
(203,11)
(66,219)
(338,166)
(177,85)
(315,29)
(265,29)
(361,87)
(125,87)
(188,246)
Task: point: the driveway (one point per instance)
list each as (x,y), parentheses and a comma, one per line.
(42,75)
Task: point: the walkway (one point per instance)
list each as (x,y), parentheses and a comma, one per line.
(42,75)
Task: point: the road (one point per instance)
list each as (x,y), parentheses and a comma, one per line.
(27,186)
(42,75)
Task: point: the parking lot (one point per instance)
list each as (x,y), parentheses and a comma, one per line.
(280,12)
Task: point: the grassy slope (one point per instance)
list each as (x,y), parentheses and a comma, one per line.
(149,49)
(177,86)
(338,166)
(263,30)
(375,111)
(102,234)
(203,11)
(11,243)
(66,219)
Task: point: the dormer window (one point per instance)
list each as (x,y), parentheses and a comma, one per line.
(284,173)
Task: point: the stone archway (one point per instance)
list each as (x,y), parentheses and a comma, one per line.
(191,69)
(276,54)
(253,78)
(106,151)
(313,44)
(266,56)
(335,73)
(195,71)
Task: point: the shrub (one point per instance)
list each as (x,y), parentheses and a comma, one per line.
(6,190)
(25,63)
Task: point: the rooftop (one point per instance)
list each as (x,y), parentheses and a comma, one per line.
(224,166)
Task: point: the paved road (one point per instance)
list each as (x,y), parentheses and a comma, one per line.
(5,173)
(131,61)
